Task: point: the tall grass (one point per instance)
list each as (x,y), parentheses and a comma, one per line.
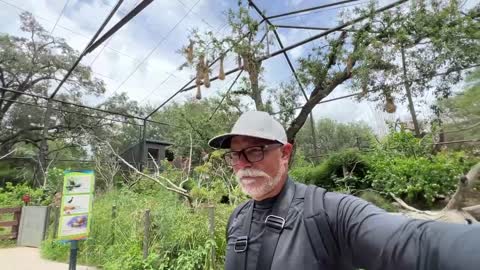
(179,236)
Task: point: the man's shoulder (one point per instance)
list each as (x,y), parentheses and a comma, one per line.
(242,207)
(323,198)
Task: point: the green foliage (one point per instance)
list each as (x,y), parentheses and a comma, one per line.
(332,136)
(406,166)
(7,243)
(330,173)
(404,144)
(419,180)
(215,182)
(460,114)
(179,235)
(401,164)
(193,124)
(32,64)
(11,195)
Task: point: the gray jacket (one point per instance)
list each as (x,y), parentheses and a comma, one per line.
(367,237)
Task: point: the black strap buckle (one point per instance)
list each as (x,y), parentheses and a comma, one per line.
(241,244)
(275,222)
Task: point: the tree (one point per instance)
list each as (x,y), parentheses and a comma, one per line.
(32,65)
(436,37)
(203,48)
(194,122)
(334,137)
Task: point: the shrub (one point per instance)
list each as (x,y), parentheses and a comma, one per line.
(11,195)
(418,180)
(407,167)
(330,173)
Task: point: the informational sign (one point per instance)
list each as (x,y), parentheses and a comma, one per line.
(76,207)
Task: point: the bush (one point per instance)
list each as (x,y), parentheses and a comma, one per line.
(418,180)
(330,173)
(11,195)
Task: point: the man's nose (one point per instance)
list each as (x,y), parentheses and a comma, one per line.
(243,162)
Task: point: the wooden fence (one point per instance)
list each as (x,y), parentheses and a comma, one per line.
(16,211)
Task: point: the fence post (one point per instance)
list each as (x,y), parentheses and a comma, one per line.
(16,217)
(114,216)
(211,228)
(56,216)
(146,231)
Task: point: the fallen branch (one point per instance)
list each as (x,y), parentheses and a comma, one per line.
(405,205)
(465,183)
(466,215)
(473,210)
(174,187)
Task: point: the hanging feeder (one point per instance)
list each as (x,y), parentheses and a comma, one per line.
(390,106)
(189,51)
(221,73)
(206,76)
(198,95)
(198,80)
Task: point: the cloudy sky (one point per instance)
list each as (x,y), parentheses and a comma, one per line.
(142,60)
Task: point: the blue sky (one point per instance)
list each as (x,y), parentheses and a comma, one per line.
(141,59)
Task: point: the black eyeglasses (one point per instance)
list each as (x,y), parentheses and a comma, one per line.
(252,154)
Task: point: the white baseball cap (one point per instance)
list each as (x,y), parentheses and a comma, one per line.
(255,124)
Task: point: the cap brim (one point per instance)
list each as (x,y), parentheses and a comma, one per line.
(223,141)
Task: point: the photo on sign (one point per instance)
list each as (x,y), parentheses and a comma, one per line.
(76,204)
(78,184)
(74,225)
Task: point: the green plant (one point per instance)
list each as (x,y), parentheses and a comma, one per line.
(418,180)
(340,170)
(179,235)
(11,195)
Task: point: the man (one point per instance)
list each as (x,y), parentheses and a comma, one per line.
(288,225)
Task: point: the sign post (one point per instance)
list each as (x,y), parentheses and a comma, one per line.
(76,209)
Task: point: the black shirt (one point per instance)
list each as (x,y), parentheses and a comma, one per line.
(261,210)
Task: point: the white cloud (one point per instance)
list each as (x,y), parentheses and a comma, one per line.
(296,2)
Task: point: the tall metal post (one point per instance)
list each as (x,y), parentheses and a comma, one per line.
(72,264)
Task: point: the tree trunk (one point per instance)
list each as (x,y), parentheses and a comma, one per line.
(42,152)
(411,107)
(314,136)
(256,92)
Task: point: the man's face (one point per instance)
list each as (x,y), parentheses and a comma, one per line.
(264,178)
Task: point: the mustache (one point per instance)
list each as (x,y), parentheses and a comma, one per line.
(249,172)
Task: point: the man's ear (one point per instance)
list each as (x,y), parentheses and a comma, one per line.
(287,150)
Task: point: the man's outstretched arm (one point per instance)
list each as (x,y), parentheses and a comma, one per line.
(371,238)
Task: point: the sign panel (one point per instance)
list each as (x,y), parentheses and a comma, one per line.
(76,208)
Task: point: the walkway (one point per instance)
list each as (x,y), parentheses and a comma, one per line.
(25,258)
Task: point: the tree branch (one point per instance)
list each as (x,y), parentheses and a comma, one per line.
(8,154)
(465,183)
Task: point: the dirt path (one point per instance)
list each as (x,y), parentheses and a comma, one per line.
(25,258)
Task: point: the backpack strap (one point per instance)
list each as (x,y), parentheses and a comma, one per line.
(241,243)
(318,227)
